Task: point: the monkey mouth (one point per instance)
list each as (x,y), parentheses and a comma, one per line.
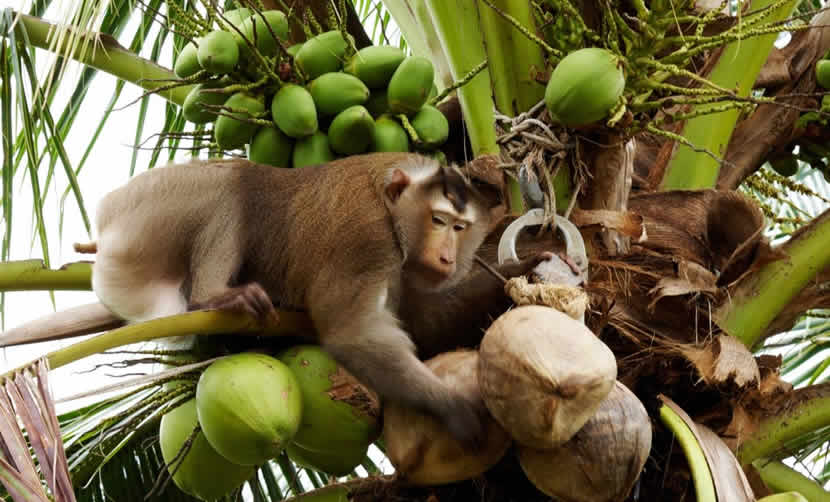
(426,277)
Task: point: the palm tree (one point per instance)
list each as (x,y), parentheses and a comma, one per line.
(693,163)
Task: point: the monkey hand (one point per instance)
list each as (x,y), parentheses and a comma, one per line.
(515,269)
(249,299)
(465,421)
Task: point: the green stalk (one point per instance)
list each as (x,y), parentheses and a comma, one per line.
(28,275)
(513,58)
(699,467)
(761,296)
(806,417)
(203,322)
(456,22)
(737,68)
(109,56)
(419,33)
(781,478)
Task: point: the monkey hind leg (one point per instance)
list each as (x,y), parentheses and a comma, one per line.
(382,356)
(133,293)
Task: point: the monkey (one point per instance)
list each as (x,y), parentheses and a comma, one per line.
(348,242)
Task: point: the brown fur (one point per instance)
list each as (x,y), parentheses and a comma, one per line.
(339,240)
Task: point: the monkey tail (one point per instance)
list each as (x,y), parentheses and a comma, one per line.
(77,321)
(88,248)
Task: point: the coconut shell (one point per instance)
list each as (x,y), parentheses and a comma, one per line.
(543,374)
(419,446)
(602,461)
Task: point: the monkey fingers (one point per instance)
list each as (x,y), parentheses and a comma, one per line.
(249,298)
(515,269)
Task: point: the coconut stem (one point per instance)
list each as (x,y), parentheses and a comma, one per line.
(761,296)
(29,275)
(704,485)
(781,478)
(108,56)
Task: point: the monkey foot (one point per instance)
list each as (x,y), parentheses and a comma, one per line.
(249,298)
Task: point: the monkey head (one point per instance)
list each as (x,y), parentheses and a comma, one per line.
(440,220)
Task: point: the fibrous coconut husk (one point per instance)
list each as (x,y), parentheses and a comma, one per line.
(550,367)
(603,460)
(420,447)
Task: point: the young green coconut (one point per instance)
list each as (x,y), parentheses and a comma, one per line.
(201,471)
(585,86)
(550,368)
(419,446)
(602,461)
(249,406)
(341,417)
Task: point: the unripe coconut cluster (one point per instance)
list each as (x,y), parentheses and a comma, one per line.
(251,406)
(585,87)
(550,386)
(347,103)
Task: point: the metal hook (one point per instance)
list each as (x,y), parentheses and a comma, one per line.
(574,244)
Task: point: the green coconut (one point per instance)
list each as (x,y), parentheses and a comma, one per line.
(322,54)
(374,65)
(431,125)
(270,146)
(339,413)
(823,73)
(250,407)
(584,87)
(257,32)
(218,53)
(351,131)
(389,136)
(334,92)
(202,472)
(187,62)
(338,462)
(312,150)
(232,130)
(409,86)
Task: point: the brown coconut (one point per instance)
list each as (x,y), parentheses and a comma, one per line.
(602,461)
(419,446)
(543,374)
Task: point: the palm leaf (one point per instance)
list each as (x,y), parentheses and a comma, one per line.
(26,397)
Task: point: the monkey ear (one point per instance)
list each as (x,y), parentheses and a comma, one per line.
(397,183)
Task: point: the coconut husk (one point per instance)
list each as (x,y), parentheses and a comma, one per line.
(603,460)
(551,367)
(419,446)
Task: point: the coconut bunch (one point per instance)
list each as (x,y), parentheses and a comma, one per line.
(250,407)
(308,103)
(549,387)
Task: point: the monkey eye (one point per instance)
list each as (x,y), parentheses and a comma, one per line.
(437,220)
(458,227)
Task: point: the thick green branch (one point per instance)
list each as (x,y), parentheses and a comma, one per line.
(28,275)
(807,416)
(781,478)
(737,68)
(103,52)
(761,296)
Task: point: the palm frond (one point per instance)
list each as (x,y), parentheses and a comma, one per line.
(26,397)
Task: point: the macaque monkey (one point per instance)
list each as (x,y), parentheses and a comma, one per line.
(347,241)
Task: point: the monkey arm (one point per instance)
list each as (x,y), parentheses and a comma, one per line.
(446,320)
